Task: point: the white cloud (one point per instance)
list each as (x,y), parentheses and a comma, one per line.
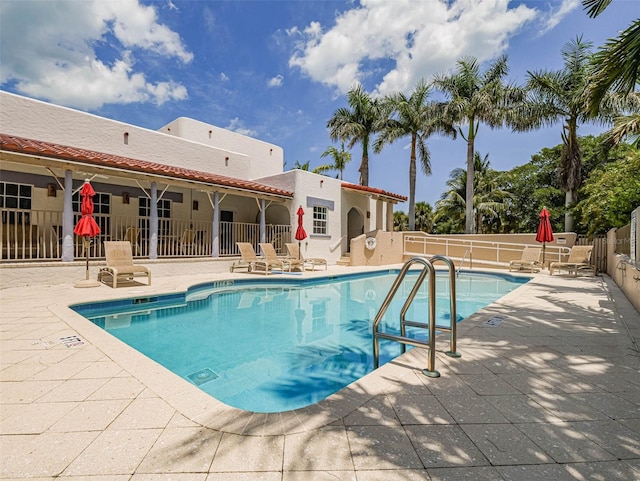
(404,40)
(275,81)
(237,125)
(50,51)
(554,17)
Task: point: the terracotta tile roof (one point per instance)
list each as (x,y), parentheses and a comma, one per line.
(21,145)
(373,190)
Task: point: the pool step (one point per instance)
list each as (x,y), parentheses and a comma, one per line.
(344,260)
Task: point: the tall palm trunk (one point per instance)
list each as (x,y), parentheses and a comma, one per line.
(570,169)
(470,219)
(412,185)
(364,165)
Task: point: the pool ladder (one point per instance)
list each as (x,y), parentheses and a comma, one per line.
(430,344)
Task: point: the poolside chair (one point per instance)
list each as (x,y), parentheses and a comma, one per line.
(132,234)
(253,263)
(120,264)
(294,253)
(530,260)
(271,255)
(579,260)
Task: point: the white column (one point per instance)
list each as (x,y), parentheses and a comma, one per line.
(67,218)
(263,225)
(215,237)
(153,222)
(390,216)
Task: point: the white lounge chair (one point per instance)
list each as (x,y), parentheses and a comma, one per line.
(271,255)
(530,260)
(579,260)
(253,263)
(120,264)
(294,253)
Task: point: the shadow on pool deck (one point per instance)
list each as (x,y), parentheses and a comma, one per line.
(552,392)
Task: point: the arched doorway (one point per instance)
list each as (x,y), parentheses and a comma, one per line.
(355,225)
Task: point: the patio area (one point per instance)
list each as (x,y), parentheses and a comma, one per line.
(552,392)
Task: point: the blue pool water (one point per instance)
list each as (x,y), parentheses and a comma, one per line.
(273,345)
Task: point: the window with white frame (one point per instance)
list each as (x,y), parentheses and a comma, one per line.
(320,220)
(15,196)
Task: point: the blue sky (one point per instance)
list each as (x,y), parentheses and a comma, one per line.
(277,70)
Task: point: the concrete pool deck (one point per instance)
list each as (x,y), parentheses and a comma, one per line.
(552,392)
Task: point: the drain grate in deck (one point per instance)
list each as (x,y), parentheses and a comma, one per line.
(494,321)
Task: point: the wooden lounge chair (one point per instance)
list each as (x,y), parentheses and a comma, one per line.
(530,260)
(579,260)
(294,253)
(272,256)
(253,263)
(120,264)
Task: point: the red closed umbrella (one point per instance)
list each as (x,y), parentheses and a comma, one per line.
(545,233)
(300,232)
(87,226)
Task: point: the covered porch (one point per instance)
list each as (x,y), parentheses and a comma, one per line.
(164,212)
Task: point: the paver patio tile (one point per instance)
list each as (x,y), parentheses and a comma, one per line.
(167,477)
(118,388)
(114,452)
(564,443)
(567,407)
(382,447)
(182,450)
(444,446)
(26,391)
(475,473)
(90,416)
(614,436)
(504,444)
(393,475)
(324,449)
(34,418)
(237,453)
(470,409)
(246,476)
(555,472)
(319,476)
(72,390)
(31,456)
(611,405)
(521,409)
(486,385)
(414,407)
(605,471)
(377,411)
(144,413)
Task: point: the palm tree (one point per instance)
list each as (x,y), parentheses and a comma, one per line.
(300,166)
(617,62)
(424,217)
(489,201)
(400,221)
(476,98)
(417,118)
(559,95)
(340,160)
(357,125)
(616,66)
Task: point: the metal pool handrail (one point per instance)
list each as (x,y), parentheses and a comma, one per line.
(452,329)
(427,269)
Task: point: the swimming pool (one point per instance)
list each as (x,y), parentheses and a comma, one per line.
(273,345)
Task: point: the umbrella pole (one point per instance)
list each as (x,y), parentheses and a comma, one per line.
(86,250)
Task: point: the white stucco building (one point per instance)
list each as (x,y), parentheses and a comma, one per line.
(188,189)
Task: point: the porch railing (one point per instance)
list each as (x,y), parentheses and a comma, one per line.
(27,235)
